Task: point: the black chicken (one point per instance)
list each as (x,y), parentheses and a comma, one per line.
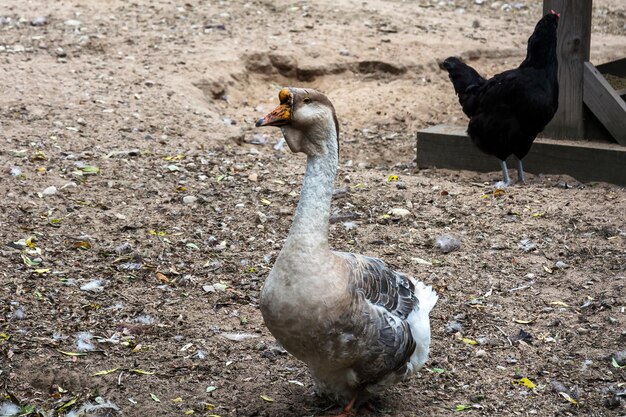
(509,110)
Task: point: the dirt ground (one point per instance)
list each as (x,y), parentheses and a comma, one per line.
(141,210)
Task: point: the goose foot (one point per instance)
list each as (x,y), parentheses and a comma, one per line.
(347,410)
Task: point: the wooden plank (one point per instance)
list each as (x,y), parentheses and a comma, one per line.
(573,44)
(445,146)
(605,103)
(617,67)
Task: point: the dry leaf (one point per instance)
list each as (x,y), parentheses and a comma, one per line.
(72,353)
(106,372)
(66,405)
(142,372)
(161,277)
(81,244)
(559,303)
(267,399)
(568,398)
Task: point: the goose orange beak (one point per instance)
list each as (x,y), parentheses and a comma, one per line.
(281,115)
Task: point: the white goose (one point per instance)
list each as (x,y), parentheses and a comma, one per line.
(358,325)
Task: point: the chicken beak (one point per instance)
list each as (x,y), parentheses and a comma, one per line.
(280,116)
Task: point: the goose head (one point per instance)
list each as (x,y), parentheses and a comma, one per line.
(307,119)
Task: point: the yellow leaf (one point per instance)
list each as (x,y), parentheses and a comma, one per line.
(175,157)
(142,372)
(266,201)
(526,382)
(568,398)
(72,353)
(40,156)
(559,303)
(67,404)
(392,178)
(30,242)
(189,412)
(209,406)
(42,270)
(547,269)
(105,372)
(469,341)
(177,400)
(499,192)
(538,214)
(4,336)
(267,399)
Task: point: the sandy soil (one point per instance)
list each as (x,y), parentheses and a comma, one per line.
(141,210)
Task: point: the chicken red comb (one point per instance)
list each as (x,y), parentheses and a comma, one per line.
(557,14)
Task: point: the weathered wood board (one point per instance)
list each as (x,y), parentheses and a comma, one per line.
(445,146)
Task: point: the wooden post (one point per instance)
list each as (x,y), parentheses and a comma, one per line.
(574,39)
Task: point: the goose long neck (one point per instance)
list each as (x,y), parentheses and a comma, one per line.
(310,224)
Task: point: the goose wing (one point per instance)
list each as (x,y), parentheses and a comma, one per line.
(383,299)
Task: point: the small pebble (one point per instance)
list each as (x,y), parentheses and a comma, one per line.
(560,265)
(526,245)
(52,190)
(453,327)
(447,244)
(39,21)
(399,212)
(125,247)
(480,353)
(93,286)
(257,139)
(350,225)
(189,199)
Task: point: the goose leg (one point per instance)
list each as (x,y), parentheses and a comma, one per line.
(520,171)
(505,172)
(347,410)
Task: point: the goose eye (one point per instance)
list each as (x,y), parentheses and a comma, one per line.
(306,100)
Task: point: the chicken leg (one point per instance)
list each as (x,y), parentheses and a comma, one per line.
(521,178)
(505,173)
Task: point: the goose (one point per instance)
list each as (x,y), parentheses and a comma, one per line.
(358,325)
